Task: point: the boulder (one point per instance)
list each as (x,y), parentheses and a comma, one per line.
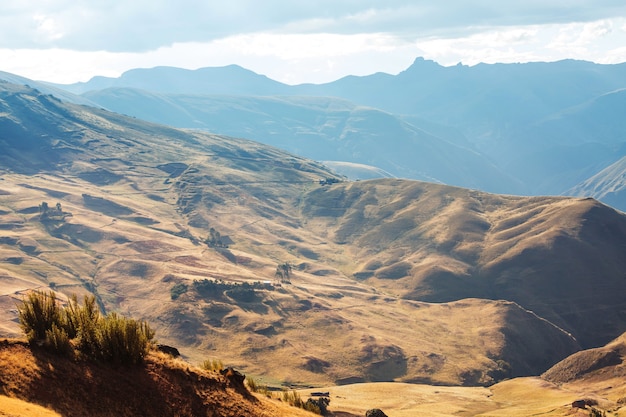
(375,412)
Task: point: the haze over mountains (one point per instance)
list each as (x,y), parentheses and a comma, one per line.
(519,282)
(526,129)
(234,249)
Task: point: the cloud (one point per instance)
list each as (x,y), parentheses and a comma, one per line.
(141,25)
(299,41)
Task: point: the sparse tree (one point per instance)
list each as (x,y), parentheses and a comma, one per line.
(283,271)
(44,210)
(214,239)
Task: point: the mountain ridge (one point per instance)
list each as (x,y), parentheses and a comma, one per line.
(188,230)
(507,113)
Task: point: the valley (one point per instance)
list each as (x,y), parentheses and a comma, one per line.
(386,280)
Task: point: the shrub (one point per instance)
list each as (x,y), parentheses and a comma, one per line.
(178,290)
(292,398)
(83,321)
(315,406)
(112,338)
(594,412)
(256,387)
(38,313)
(312,406)
(243,293)
(58,341)
(122,340)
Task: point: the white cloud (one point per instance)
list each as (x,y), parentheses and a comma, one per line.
(296,42)
(142,25)
(47,29)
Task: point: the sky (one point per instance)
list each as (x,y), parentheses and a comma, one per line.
(296,41)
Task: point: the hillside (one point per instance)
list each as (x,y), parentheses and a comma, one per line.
(533,128)
(164,386)
(160,387)
(436,243)
(319,128)
(381,280)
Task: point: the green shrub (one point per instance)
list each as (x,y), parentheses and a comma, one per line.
(122,340)
(178,290)
(38,313)
(112,338)
(87,319)
(58,341)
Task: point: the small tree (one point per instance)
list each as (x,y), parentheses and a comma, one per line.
(214,239)
(283,271)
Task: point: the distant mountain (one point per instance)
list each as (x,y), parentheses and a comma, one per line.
(320,128)
(230,80)
(545,126)
(570,146)
(46,88)
(234,250)
(357,171)
(608,185)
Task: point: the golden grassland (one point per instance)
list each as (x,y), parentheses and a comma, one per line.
(162,386)
(12,407)
(392,280)
(322,317)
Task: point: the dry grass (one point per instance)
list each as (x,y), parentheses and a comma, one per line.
(520,397)
(173,387)
(361,251)
(162,386)
(129,263)
(12,407)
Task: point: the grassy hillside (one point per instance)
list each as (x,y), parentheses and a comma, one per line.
(160,387)
(164,386)
(436,243)
(389,280)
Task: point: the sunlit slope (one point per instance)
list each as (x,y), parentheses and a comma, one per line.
(388,279)
(559,257)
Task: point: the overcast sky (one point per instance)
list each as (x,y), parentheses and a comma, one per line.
(296,41)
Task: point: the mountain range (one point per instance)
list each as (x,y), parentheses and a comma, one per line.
(236,250)
(146,202)
(524,129)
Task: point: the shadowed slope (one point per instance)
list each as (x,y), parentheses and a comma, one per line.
(140,206)
(561,258)
(160,387)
